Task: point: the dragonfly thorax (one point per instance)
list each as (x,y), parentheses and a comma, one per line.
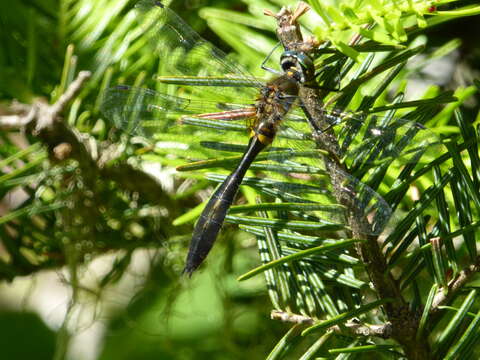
(298,66)
(276,99)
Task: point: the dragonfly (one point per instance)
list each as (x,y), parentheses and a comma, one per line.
(268,112)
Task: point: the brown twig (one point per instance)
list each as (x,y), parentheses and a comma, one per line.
(403,322)
(351,328)
(41,114)
(284,316)
(444,296)
(65,142)
(8,122)
(348,329)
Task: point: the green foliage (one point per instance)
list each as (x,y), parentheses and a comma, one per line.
(68,217)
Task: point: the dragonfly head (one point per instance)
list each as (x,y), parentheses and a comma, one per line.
(298,65)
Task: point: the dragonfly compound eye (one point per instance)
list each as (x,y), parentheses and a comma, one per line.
(299,64)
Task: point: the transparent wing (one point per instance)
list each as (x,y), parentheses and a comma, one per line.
(297,162)
(370,139)
(293,163)
(295,184)
(183,54)
(144,111)
(294,181)
(366,139)
(182,51)
(362,139)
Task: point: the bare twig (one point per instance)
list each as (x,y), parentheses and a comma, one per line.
(8,122)
(403,322)
(359,329)
(383,331)
(72,91)
(41,114)
(446,295)
(65,142)
(290,318)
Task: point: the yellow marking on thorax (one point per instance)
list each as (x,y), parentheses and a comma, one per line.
(266,140)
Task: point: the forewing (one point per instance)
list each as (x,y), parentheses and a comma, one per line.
(182,51)
(368,140)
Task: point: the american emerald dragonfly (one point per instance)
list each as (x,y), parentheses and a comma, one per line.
(280,146)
